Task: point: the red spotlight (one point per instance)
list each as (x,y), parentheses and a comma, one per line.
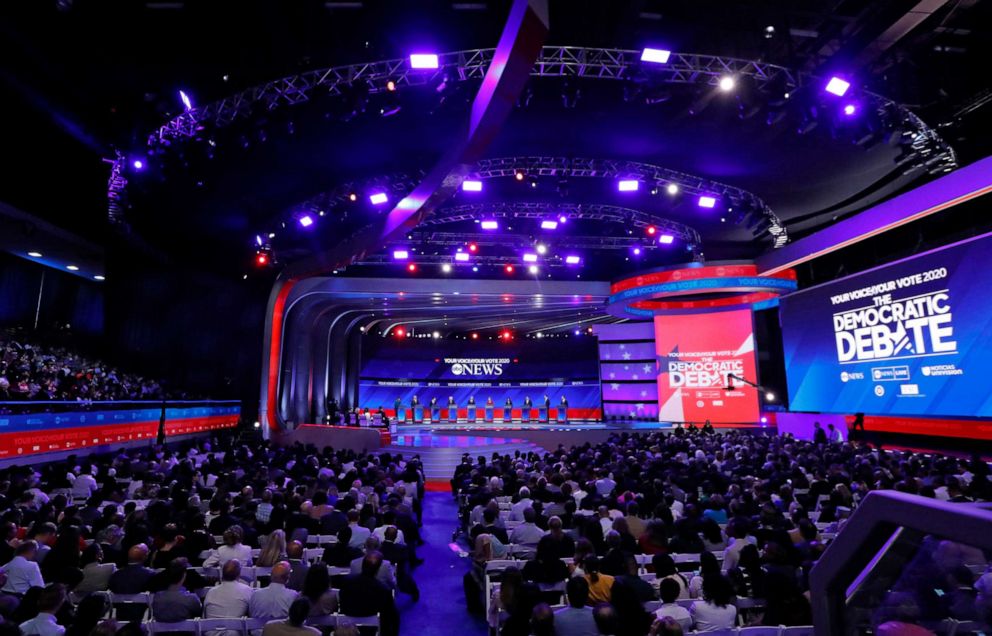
(507,335)
(412,267)
(400,332)
(472,247)
(475,336)
(261,259)
(652,230)
(509,269)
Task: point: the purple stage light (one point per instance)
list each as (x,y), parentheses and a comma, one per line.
(490,225)
(472,186)
(666,239)
(850,110)
(424,60)
(401,255)
(577,332)
(563,219)
(637,251)
(572,260)
(379,198)
(185,100)
(706,202)
(138,164)
(837,86)
(306,220)
(530,258)
(656,56)
(549,225)
(628,185)
(461,257)
(764,420)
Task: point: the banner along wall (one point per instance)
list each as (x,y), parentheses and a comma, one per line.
(910,338)
(696,352)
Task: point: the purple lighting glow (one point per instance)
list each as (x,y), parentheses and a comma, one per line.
(549,225)
(837,86)
(306,220)
(628,185)
(490,225)
(666,239)
(424,60)
(530,258)
(138,164)
(401,255)
(706,202)
(656,56)
(184,98)
(472,186)
(461,257)
(572,260)
(563,219)
(379,198)
(850,110)
(637,251)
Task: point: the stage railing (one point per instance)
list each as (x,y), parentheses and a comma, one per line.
(35,427)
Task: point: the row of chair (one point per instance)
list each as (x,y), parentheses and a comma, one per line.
(245,626)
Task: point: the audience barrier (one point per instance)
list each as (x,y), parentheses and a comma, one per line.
(70,426)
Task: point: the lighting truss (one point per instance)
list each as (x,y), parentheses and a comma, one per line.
(522,242)
(595,212)
(554,61)
(117,190)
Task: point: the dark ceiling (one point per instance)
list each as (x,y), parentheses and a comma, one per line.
(81,79)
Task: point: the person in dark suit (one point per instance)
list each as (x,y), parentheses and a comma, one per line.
(363,595)
(399,556)
(488,526)
(819,435)
(298,564)
(340,554)
(527,402)
(133,578)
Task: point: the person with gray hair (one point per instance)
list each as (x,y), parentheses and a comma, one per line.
(275,599)
(523,502)
(229,599)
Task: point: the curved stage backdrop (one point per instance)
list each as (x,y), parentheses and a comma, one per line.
(483,369)
(910,338)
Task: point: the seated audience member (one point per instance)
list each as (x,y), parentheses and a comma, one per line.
(600,585)
(22,571)
(670,591)
(489,526)
(606,619)
(364,595)
(89,612)
(341,554)
(274,550)
(562,545)
(385,574)
(175,603)
(317,590)
(527,534)
(631,616)
(542,621)
(359,533)
(523,502)
(230,598)
(170,548)
(747,577)
(96,573)
(576,619)
(644,590)
(786,605)
(716,610)
(300,566)
(134,577)
(233,548)
(545,569)
(664,568)
(294,625)
(517,599)
(708,566)
(50,601)
(275,599)
(667,627)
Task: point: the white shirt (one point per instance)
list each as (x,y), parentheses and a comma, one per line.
(517,509)
(358,535)
(272,601)
(225,553)
(229,599)
(527,534)
(679,613)
(42,625)
(22,575)
(380,533)
(709,617)
(605,486)
(84,486)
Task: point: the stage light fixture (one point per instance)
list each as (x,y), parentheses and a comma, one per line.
(651,230)
(472,247)
(390,86)
(519,175)
(507,335)
(706,202)
(542,249)
(549,225)
(563,219)
(436,334)
(475,268)
(489,225)
(577,332)
(471,185)
(35,254)
(461,257)
(572,259)
(352,197)
(508,269)
(424,60)
(850,110)
(446,268)
(672,188)
(400,332)
(727,83)
(637,251)
(655,56)
(379,198)
(412,267)
(401,255)
(533,269)
(103,278)
(530,258)
(475,336)
(72,268)
(306,220)
(628,185)
(262,259)
(666,239)
(769,397)
(138,164)
(764,420)
(837,86)
(187,102)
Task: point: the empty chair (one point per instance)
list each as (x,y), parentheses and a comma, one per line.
(130,607)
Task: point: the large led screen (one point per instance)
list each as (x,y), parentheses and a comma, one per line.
(910,338)
(696,355)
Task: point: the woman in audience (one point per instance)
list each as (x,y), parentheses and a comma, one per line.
(747,577)
(545,569)
(631,616)
(89,613)
(655,538)
(61,564)
(712,536)
(232,549)
(600,585)
(664,568)
(170,548)
(274,550)
(317,590)
(716,611)
(708,566)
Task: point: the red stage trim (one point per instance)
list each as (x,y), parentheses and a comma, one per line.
(573,414)
(968,429)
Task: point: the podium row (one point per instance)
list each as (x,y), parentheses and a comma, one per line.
(489,415)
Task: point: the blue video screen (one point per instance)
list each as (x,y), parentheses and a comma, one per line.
(910,338)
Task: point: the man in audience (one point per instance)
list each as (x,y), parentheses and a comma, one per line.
(385,574)
(397,554)
(23,572)
(358,533)
(606,619)
(229,599)
(49,603)
(134,577)
(523,503)
(175,603)
(576,619)
(527,534)
(489,526)
(669,591)
(364,595)
(44,536)
(273,600)
(294,623)
(299,565)
(542,622)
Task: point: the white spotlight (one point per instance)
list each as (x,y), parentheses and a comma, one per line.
(727,83)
